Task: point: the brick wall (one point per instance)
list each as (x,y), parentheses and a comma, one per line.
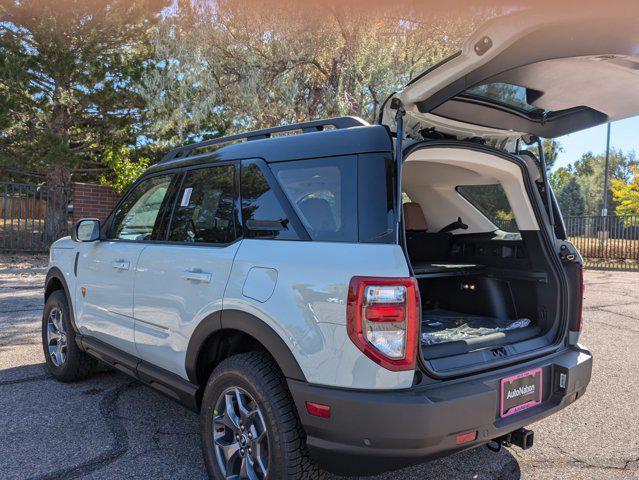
(92,201)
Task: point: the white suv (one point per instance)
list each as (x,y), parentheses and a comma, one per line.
(360,297)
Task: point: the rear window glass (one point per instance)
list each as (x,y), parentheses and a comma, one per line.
(342,199)
(323,194)
(491,200)
(504,93)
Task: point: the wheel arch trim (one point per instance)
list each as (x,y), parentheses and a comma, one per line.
(246,323)
(55,273)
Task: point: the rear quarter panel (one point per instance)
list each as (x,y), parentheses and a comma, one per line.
(306,305)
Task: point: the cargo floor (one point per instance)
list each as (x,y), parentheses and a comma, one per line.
(446,332)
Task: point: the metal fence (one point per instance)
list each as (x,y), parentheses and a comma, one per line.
(606,241)
(23,208)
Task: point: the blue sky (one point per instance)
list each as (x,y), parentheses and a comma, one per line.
(624,135)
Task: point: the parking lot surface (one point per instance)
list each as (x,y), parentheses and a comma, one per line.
(113,427)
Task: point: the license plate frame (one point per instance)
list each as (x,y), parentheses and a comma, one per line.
(515,392)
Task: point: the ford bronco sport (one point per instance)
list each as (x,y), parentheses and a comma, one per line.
(340,296)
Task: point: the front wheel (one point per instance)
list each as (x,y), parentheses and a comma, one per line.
(249,424)
(64,358)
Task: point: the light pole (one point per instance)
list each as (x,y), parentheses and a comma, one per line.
(604,210)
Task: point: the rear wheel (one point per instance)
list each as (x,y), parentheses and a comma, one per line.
(64,358)
(249,424)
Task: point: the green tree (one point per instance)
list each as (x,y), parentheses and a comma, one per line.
(240,64)
(552,148)
(66,73)
(570,198)
(125,170)
(560,177)
(589,171)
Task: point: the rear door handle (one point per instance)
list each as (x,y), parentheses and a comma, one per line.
(120,264)
(195,276)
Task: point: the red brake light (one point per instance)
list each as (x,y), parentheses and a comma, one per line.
(383,316)
(385,313)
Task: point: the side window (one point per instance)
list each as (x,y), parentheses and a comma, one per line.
(491,200)
(323,193)
(261,209)
(204,209)
(136,216)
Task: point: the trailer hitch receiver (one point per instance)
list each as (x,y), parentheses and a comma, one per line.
(522,438)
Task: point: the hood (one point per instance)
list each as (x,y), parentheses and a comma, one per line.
(528,74)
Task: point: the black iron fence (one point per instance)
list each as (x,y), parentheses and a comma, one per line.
(606,241)
(22,225)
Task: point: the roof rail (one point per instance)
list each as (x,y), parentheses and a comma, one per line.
(306,127)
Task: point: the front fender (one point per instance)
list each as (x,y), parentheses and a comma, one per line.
(55,275)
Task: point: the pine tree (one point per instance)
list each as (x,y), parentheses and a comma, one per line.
(570,199)
(66,72)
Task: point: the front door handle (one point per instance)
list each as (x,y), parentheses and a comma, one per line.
(120,264)
(197,276)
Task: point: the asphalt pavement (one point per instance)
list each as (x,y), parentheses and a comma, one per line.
(113,427)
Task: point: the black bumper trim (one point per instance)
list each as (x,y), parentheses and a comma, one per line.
(375,431)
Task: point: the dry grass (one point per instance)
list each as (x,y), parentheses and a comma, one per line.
(611,249)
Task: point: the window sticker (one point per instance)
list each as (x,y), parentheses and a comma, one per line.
(186,197)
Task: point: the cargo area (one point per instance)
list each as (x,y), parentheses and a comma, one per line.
(473,241)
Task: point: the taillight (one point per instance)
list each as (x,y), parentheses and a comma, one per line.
(383,316)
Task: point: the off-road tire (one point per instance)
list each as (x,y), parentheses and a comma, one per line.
(77,364)
(258,374)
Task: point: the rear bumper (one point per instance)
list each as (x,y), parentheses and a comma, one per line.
(371,431)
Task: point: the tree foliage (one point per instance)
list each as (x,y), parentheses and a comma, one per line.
(570,199)
(589,171)
(552,148)
(67,70)
(582,183)
(626,194)
(243,64)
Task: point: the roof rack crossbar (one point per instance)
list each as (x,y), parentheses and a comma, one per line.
(305,127)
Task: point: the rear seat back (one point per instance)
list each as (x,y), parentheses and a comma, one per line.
(423,246)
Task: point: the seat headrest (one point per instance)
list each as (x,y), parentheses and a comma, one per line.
(414,217)
(318,213)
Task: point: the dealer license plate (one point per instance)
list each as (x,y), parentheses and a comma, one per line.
(520,392)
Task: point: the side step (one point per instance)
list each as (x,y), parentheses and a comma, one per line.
(168,383)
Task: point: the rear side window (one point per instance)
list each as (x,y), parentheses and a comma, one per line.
(342,199)
(204,208)
(324,195)
(262,210)
(491,200)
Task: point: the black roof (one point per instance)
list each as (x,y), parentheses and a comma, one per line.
(349,135)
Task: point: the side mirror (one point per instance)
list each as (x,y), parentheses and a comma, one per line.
(86,230)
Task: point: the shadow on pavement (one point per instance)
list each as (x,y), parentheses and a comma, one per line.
(115,427)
